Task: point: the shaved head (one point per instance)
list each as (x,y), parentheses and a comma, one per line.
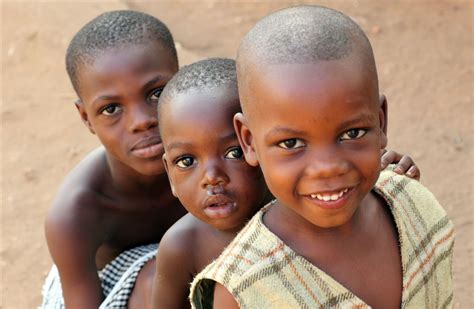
(301,35)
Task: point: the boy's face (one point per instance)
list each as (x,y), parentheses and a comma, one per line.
(204,161)
(119,95)
(316,131)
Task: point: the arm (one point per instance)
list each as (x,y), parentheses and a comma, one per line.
(223,299)
(174,269)
(405,164)
(72,236)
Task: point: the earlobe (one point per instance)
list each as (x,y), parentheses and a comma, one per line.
(82,112)
(383,116)
(245,139)
(165,163)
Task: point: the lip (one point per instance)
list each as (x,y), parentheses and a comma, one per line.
(331,204)
(148,147)
(219,206)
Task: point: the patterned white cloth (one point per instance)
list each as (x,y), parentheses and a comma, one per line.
(117,279)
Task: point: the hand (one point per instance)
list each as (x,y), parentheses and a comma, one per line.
(405,164)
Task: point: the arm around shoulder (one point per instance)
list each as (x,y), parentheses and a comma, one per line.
(72,235)
(174,268)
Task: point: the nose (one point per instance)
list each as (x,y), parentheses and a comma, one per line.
(214,175)
(326,164)
(143,117)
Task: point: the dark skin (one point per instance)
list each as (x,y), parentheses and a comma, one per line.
(118,197)
(212,180)
(194,159)
(331,150)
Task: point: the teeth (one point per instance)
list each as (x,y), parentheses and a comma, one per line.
(327,197)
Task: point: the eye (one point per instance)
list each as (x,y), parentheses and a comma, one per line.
(292,143)
(234,153)
(184,162)
(353,134)
(111,109)
(155,95)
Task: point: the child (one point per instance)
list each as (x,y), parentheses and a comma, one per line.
(118,197)
(314,121)
(207,172)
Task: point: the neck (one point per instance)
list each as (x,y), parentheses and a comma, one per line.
(359,224)
(128,180)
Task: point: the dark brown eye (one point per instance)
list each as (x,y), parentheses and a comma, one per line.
(234,153)
(353,134)
(111,109)
(185,162)
(292,143)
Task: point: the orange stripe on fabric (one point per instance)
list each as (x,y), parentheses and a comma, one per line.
(230,248)
(296,273)
(438,243)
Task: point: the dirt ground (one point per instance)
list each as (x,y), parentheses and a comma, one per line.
(424,51)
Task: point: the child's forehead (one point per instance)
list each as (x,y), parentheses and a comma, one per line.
(201,105)
(317,77)
(309,88)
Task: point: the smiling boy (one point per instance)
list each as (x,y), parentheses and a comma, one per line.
(207,172)
(339,234)
(118,197)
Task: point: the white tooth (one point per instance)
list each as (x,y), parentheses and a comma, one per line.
(347,189)
(334,197)
(341,193)
(326,198)
(313,195)
(319,196)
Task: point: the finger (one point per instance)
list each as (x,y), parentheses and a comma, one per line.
(387,158)
(414,172)
(403,165)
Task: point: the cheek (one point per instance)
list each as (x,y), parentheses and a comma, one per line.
(279,176)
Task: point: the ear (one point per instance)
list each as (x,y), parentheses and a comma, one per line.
(82,112)
(383,120)
(165,163)
(245,139)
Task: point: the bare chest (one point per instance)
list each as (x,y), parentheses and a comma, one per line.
(128,228)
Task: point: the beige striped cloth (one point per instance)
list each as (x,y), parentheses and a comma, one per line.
(262,272)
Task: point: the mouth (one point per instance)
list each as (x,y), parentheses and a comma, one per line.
(219,206)
(329,196)
(330,199)
(149,147)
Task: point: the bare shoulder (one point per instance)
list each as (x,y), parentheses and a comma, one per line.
(76,210)
(182,237)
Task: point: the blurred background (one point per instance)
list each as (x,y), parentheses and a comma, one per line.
(424,53)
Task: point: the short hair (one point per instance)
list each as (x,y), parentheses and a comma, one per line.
(299,35)
(114,30)
(205,74)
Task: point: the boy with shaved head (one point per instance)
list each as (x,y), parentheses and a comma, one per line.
(340,232)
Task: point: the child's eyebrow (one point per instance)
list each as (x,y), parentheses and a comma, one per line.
(105,98)
(153,81)
(360,119)
(178,144)
(283,130)
(230,136)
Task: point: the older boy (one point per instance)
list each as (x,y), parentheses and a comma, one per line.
(118,197)
(314,121)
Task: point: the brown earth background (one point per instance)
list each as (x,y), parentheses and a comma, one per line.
(424,52)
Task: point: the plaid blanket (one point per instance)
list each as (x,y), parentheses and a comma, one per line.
(117,279)
(262,272)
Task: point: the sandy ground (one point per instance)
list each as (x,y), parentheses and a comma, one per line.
(424,53)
